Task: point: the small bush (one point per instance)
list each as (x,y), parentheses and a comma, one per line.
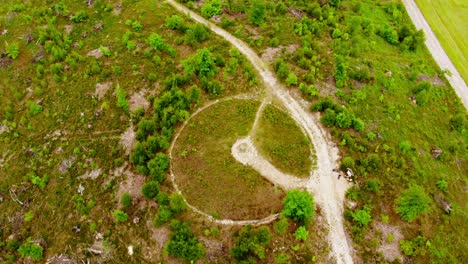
(211,8)
(79,17)
(120,216)
(150,189)
(183,244)
(31,249)
(291,79)
(126,200)
(405,146)
(34,109)
(301,233)
(164,215)
(299,206)
(442,185)
(281,226)
(372,186)
(175,22)
(177,203)
(122,101)
(347,162)
(250,244)
(362,217)
(12,50)
(412,203)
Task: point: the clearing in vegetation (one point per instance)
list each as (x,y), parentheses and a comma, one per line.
(448,20)
(281,141)
(209,176)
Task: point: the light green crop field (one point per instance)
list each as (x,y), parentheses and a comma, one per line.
(448,20)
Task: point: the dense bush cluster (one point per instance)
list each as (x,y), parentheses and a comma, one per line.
(250,244)
(183,244)
(335,115)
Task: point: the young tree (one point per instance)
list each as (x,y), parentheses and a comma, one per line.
(150,189)
(299,206)
(257,12)
(412,203)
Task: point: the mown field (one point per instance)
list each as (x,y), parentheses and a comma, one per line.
(448,21)
(397,122)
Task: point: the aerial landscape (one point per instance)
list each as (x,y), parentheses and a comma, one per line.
(233,131)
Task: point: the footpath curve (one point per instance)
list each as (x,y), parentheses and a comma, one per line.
(437,51)
(329,192)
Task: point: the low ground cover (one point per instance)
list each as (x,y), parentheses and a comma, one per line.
(281,141)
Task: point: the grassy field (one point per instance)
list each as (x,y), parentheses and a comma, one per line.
(281,141)
(209,176)
(449,23)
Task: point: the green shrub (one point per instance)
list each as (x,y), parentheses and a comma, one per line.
(156,42)
(183,244)
(347,162)
(372,185)
(175,22)
(301,233)
(79,17)
(405,146)
(122,101)
(412,203)
(257,12)
(211,8)
(281,226)
(299,206)
(34,109)
(250,244)
(362,217)
(41,182)
(162,198)
(126,200)
(163,216)
(31,249)
(12,50)
(291,79)
(177,203)
(150,189)
(120,216)
(442,185)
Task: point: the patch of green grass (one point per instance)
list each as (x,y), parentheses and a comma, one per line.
(448,20)
(282,142)
(207,174)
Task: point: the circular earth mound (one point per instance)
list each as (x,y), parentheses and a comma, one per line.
(209,176)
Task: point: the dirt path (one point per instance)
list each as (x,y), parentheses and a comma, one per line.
(438,53)
(327,189)
(245,152)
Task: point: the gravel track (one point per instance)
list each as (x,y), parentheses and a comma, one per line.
(327,189)
(437,51)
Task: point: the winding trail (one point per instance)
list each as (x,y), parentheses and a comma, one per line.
(329,192)
(437,51)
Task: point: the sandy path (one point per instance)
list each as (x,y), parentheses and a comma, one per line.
(327,189)
(438,53)
(245,152)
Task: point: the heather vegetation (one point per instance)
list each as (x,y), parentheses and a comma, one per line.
(94,93)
